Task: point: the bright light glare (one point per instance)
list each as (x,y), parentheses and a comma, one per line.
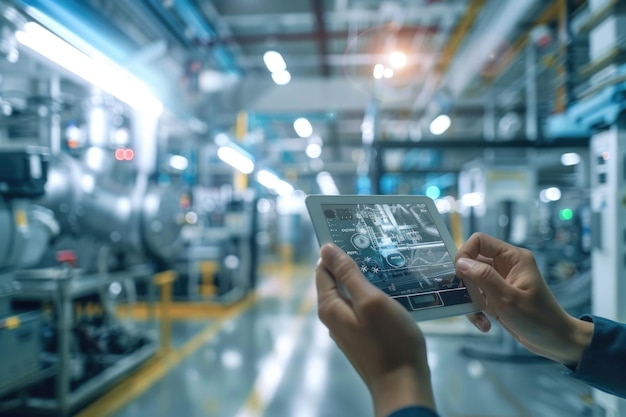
(282,77)
(443,205)
(284,189)
(274,61)
(388,73)
(553,194)
(88,182)
(440,124)
(313,150)
(397,59)
(179,162)
(103,74)
(433,192)
(326,183)
(379,71)
(472,199)
(94,158)
(570,159)
(267,179)
(303,127)
(235,159)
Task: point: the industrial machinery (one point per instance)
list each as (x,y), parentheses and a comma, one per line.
(78,229)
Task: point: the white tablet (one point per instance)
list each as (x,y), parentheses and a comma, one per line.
(402,246)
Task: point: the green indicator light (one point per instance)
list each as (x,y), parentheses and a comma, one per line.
(566,214)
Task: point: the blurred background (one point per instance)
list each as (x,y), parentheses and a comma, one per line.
(156,256)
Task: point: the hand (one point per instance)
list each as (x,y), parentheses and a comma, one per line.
(376,333)
(519,299)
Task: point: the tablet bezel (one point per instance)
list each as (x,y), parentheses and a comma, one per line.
(314,205)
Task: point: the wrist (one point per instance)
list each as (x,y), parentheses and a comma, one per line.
(578,338)
(401,388)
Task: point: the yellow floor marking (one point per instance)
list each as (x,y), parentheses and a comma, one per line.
(139,382)
(271,373)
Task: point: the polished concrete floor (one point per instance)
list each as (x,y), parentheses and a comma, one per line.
(273,358)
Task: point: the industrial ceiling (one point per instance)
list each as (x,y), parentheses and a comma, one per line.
(466,58)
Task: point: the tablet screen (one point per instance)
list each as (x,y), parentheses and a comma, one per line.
(398,248)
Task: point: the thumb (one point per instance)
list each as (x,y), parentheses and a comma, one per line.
(485,277)
(345,271)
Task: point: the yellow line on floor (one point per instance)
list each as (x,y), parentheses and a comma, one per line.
(141,380)
(267,381)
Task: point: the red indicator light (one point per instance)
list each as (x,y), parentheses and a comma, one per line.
(119,154)
(129,154)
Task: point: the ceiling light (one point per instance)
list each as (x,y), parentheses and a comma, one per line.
(303,127)
(379,71)
(284,188)
(550,194)
(282,77)
(274,62)
(236,159)
(472,199)
(388,73)
(179,162)
(440,124)
(100,72)
(267,179)
(397,59)
(569,159)
(313,150)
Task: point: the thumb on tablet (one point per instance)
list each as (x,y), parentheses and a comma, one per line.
(345,271)
(484,276)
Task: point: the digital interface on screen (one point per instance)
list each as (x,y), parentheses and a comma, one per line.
(398,249)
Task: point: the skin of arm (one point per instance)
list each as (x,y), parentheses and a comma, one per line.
(518,298)
(376,334)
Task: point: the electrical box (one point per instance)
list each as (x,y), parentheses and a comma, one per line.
(23,172)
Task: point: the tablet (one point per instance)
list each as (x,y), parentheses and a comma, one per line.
(402,246)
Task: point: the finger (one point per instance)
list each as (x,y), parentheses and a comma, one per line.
(346,272)
(482,244)
(480,321)
(484,259)
(324,282)
(486,278)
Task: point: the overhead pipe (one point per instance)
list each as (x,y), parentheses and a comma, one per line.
(457,37)
(468,64)
(548,15)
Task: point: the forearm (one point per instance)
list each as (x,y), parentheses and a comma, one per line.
(400,389)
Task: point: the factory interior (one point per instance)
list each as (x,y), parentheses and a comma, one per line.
(156,254)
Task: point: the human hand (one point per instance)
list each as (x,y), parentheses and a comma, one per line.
(376,333)
(519,299)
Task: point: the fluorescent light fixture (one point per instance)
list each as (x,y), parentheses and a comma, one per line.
(570,159)
(397,59)
(284,189)
(303,127)
(236,159)
(313,150)
(102,73)
(274,62)
(179,162)
(379,71)
(440,124)
(282,77)
(267,179)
